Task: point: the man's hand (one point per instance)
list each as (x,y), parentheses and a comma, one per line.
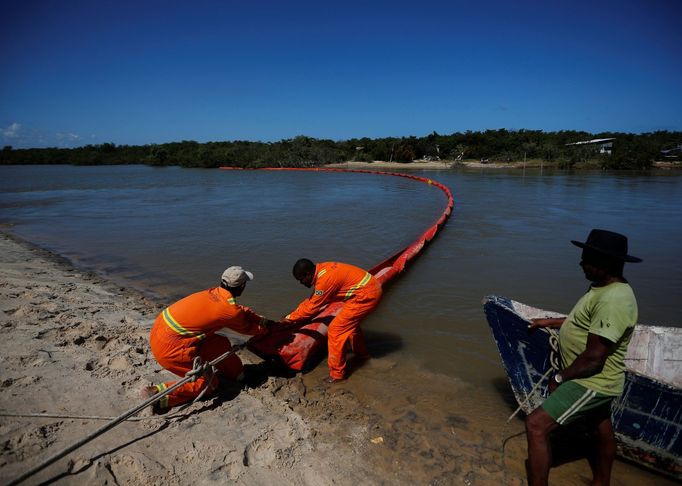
(552,322)
(268,325)
(552,385)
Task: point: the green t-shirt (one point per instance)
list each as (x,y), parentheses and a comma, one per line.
(609,312)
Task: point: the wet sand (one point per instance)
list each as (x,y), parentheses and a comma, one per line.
(76,345)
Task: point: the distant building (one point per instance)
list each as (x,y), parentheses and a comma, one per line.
(672,153)
(603,145)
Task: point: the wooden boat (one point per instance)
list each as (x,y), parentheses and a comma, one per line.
(647,418)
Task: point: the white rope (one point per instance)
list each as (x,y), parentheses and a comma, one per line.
(210,373)
(554,366)
(530,395)
(190,376)
(77,417)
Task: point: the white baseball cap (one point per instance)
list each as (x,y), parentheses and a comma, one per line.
(236,276)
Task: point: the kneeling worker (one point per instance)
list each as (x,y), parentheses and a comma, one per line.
(187,329)
(336,282)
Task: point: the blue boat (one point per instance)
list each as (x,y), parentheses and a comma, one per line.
(647,418)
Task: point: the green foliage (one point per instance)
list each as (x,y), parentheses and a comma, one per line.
(630,151)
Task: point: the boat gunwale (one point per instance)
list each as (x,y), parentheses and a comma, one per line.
(495,300)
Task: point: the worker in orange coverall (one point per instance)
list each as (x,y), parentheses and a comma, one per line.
(187,329)
(334,282)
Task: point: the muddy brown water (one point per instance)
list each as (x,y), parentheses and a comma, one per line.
(171,231)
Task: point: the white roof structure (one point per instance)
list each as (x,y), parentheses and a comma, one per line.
(594,140)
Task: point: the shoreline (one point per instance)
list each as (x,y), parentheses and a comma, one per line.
(424,165)
(451,165)
(436,165)
(77,345)
(79,348)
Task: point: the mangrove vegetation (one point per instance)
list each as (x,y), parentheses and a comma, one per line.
(625,151)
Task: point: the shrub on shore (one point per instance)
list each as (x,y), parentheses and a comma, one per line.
(630,151)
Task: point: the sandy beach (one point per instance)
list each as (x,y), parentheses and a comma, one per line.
(76,345)
(466,164)
(385,165)
(79,347)
(424,165)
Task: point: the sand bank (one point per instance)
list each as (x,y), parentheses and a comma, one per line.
(423,165)
(75,344)
(394,166)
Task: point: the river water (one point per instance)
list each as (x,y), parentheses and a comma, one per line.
(171,231)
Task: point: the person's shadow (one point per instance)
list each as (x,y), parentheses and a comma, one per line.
(381,344)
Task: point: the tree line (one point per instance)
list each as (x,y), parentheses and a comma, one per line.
(629,151)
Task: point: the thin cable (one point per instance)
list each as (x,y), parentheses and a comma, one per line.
(190,376)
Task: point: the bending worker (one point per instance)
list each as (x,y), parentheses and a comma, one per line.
(334,282)
(593,341)
(187,329)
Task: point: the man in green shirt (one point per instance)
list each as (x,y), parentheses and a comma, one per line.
(593,341)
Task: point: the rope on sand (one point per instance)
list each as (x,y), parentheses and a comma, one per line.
(197,366)
(77,417)
(192,375)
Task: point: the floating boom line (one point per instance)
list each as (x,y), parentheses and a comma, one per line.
(295,346)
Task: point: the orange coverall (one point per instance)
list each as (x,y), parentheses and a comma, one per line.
(361,293)
(187,329)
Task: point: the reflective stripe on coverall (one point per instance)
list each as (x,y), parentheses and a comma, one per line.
(187,329)
(359,291)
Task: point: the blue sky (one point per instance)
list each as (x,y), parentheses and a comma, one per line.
(89,72)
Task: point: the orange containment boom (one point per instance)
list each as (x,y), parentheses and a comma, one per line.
(297,346)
